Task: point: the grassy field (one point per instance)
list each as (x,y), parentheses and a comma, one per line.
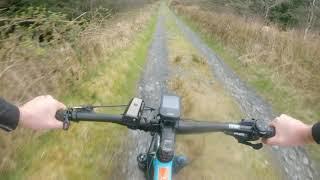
(88,150)
(213,156)
(277,81)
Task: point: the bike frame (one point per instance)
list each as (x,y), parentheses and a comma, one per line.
(158,170)
(162,171)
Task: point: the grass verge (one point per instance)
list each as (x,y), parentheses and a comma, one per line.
(87,150)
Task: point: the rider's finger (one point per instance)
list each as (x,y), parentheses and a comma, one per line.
(60,105)
(274,123)
(48,96)
(56,124)
(270,141)
(284,116)
(264,140)
(273,140)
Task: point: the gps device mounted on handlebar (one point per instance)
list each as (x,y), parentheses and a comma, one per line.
(169,113)
(170,109)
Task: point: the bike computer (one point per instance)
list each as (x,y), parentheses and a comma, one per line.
(170,108)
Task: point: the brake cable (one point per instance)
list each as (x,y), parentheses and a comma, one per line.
(90,108)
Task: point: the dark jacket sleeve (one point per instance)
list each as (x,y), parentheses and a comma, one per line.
(316,132)
(9,115)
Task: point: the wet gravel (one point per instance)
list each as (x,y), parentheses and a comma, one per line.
(294,162)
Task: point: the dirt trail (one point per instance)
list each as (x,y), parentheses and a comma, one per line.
(158,71)
(293,161)
(204,97)
(151,86)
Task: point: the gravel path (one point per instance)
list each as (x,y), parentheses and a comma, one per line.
(293,161)
(151,87)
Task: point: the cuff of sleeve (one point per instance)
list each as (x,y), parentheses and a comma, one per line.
(10,116)
(316,132)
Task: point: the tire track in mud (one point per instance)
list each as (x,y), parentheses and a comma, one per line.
(294,162)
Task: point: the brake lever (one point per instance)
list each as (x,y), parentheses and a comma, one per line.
(244,138)
(63,115)
(260,129)
(256,146)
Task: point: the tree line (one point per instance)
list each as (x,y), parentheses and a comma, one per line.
(303,14)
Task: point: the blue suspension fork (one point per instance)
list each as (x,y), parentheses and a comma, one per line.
(162,171)
(162,162)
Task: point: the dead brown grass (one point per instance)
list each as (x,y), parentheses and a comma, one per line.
(287,53)
(28,69)
(31,69)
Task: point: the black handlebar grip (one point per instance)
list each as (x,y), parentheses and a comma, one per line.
(270,132)
(60,115)
(264,129)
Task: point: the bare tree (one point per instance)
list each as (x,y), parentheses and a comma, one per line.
(269,4)
(311,17)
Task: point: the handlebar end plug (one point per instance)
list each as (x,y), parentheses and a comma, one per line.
(62,115)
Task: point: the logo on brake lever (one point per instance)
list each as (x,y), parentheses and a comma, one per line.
(245,137)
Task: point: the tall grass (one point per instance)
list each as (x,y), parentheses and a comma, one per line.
(288,57)
(84,71)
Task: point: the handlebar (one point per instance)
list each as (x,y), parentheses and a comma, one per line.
(89,116)
(69,115)
(191,126)
(245,131)
(182,127)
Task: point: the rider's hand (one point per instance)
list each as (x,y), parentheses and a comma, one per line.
(289,132)
(39,113)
